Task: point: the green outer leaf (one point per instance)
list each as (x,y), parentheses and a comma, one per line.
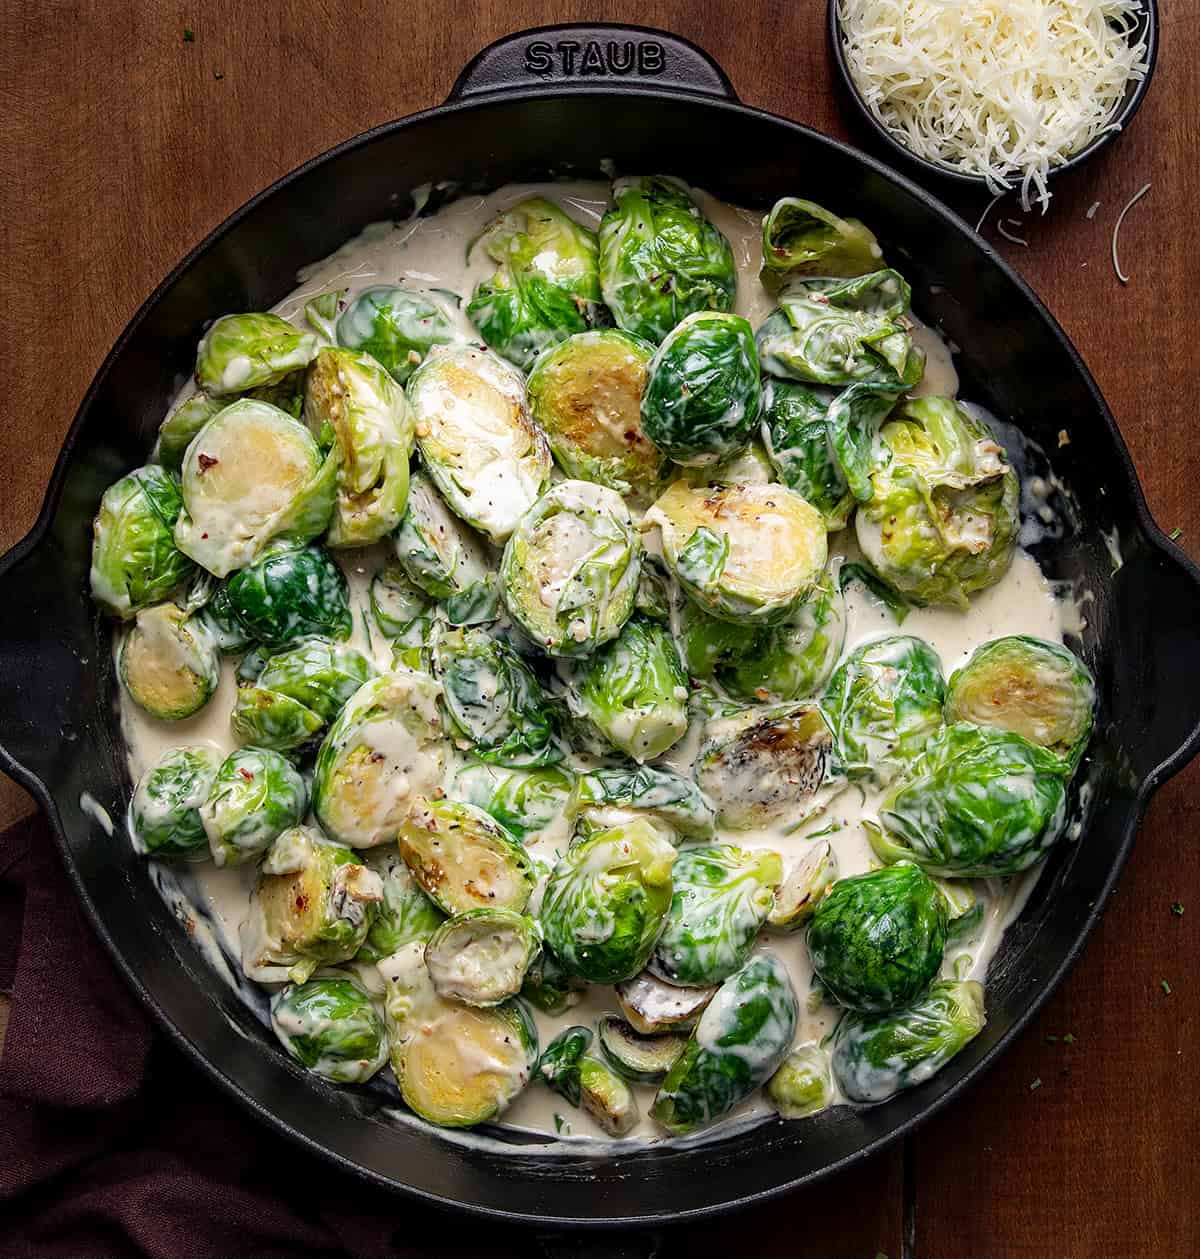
(242,352)
(290,593)
(175,433)
(558,1067)
(396,603)
(255,797)
(524,801)
(802,238)
(331,1028)
(796,433)
(164,813)
(318,674)
(395,326)
(267,719)
(660,793)
(406,913)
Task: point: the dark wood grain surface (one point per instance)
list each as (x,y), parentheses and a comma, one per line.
(122,144)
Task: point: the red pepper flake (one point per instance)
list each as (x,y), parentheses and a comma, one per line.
(246,774)
(206,461)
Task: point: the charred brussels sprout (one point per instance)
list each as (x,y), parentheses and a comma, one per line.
(653,1006)
(642,1059)
(252,474)
(399,607)
(477,441)
(797,896)
(290,593)
(605,1096)
(876,1056)
(529,803)
(942,519)
(743,553)
(558,1067)
(978,802)
(606,901)
(164,814)
(570,570)
(802,1086)
(481,957)
(1030,687)
(608,796)
(396,327)
(169,663)
(702,396)
(876,940)
(546,286)
(256,796)
(175,433)
(741,1040)
(331,1027)
(660,258)
(405,914)
(134,558)
(243,352)
(802,238)
(722,896)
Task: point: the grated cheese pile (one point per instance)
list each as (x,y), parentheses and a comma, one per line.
(1005,89)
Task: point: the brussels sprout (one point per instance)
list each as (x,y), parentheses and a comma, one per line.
(977,802)
(456,1065)
(494,701)
(942,519)
(605,1096)
(241,352)
(267,719)
(290,593)
(1034,688)
(134,558)
(587,394)
(660,258)
(464,859)
(744,553)
(331,1027)
(802,1086)
(546,286)
(875,1056)
(558,1067)
(168,663)
(221,621)
(350,398)
(653,1006)
(803,238)
(286,394)
(835,331)
(750,466)
(175,433)
(799,444)
(395,327)
(405,914)
(643,1059)
(797,896)
(164,814)
(256,796)
(526,802)
(382,753)
(313,905)
(479,445)
(702,396)
(606,901)
(252,474)
(570,570)
(964,910)
(321,313)
(549,987)
(763,765)
(634,691)
(481,957)
(741,1039)
(876,940)
(882,704)
(320,675)
(398,605)
(605,796)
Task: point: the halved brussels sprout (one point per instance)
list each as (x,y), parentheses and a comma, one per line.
(405,914)
(978,802)
(744,553)
(526,802)
(331,1027)
(643,1059)
(456,1065)
(835,331)
(803,238)
(802,1086)
(549,987)
(809,879)
(741,1040)
(875,1056)
(134,558)
(876,940)
(395,327)
(1034,688)
(243,352)
(481,957)
(605,902)
(383,753)
(942,519)
(495,702)
(558,1067)
(587,395)
(350,399)
(175,433)
(606,796)
(766,764)
(653,1006)
(799,441)
(256,796)
(252,474)
(701,399)
(570,570)
(397,604)
(722,896)
(464,859)
(634,691)
(660,258)
(164,814)
(290,593)
(267,719)
(546,286)
(605,1096)
(318,674)
(169,663)
(479,445)
(883,703)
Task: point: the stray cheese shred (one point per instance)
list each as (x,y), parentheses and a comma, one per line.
(1002,89)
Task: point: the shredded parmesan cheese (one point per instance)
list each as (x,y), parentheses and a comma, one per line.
(1001,89)
(1137,196)
(1016,240)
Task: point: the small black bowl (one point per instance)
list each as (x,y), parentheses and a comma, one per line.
(1135,93)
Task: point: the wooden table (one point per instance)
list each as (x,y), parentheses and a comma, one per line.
(130,141)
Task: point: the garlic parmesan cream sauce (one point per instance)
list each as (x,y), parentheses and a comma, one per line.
(432,253)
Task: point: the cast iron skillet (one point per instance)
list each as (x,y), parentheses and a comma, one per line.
(574,100)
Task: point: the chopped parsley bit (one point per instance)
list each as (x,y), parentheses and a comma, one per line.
(1177,908)
(558,1122)
(1051,1040)
(189,35)
(1037,1084)
(1069,1039)
(1166,987)
(1175,534)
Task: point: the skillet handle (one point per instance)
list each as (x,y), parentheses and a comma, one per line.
(592,55)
